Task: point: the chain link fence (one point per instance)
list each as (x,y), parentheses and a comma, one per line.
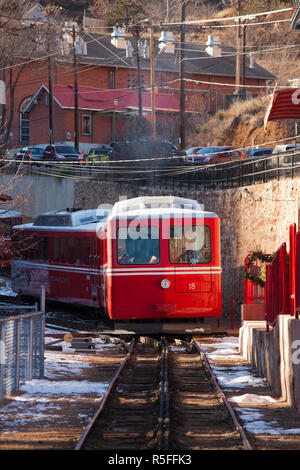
(21,348)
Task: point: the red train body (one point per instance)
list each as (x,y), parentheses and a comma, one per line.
(150,258)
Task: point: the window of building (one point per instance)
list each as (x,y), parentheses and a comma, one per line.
(24,122)
(86,124)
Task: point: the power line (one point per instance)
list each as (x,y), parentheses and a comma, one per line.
(241,18)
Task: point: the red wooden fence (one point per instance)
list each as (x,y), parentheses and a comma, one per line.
(281,293)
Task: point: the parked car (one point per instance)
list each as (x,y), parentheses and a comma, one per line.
(62,153)
(287,156)
(29,154)
(256,152)
(284,148)
(215,155)
(99,154)
(145,148)
(190,153)
(192,150)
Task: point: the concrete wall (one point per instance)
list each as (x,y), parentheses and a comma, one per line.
(275,355)
(34,194)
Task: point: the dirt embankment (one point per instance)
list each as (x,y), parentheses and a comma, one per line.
(242,125)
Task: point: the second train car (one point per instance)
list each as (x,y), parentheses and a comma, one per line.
(148,258)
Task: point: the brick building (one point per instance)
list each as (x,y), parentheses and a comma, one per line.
(104,115)
(209,78)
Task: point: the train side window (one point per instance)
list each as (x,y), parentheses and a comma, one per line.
(55,249)
(63,250)
(70,250)
(78,250)
(93,246)
(190,244)
(31,247)
(45,249)
(38,248)
(86,251)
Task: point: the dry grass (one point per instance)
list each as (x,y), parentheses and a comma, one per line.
(241,125)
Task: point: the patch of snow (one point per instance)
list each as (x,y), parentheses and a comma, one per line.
(239,379)
(256,425)
(251,398)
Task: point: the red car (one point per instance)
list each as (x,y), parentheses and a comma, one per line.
(215,155)
(190,153)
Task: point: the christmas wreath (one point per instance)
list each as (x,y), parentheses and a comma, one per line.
(257,276)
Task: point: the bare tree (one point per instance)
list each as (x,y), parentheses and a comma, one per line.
(21,40)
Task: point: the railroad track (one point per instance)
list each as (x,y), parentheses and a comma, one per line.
(164,398)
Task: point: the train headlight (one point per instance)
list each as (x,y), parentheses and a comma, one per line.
(165,283)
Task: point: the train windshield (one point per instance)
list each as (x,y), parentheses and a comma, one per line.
(138,246)
(190,244)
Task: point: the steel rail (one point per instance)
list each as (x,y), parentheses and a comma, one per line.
(163,439)
(106,396)
(241,431)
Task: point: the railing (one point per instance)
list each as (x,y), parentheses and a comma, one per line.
(21,349)
(277,287)
(253,292)
(171,173)
(294,271)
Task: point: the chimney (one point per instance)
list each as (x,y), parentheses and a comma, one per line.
(213,46)
(118,38)
(166,42)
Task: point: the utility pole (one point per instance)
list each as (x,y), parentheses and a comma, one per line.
(152,83)
(238,54)
(244,40)
(181,78)
(138,65)
(51,125)
(76,119)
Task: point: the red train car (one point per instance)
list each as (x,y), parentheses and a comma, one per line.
(59,250)
(163,260)
(150,258)
(8,218)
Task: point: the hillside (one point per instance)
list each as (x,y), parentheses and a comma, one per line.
(242,126)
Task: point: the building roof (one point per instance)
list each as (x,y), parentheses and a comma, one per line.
(102,99)
(101,51)
(284,104)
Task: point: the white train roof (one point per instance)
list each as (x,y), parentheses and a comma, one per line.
(163,206)
(65,220)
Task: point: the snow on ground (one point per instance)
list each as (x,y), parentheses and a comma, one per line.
(234,378)
(67,381)
(5,288)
